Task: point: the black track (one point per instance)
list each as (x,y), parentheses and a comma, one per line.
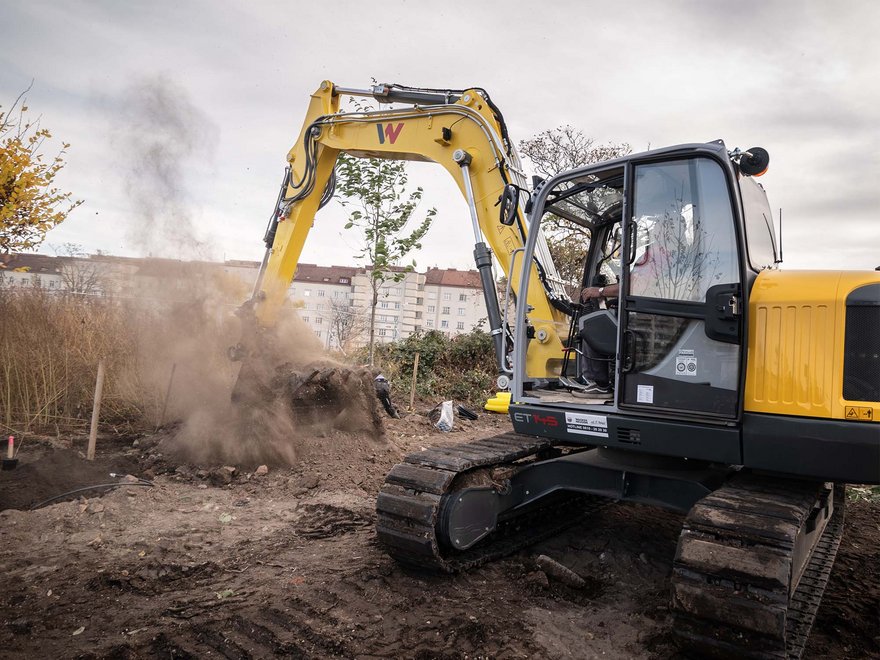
(409,504)
(737,562)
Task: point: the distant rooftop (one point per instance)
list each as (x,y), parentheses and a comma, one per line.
(327,274)
(453,277)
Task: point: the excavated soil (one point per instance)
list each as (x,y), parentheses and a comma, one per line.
(211,562)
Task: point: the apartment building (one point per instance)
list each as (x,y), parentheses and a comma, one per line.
(334,301)
(453,301)
(323,298)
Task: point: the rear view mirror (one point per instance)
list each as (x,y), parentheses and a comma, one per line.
(509,204)
(754,162)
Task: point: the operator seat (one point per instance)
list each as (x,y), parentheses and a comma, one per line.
(599,330)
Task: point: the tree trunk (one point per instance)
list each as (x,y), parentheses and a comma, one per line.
(375,301)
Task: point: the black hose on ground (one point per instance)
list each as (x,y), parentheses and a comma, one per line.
(142,482)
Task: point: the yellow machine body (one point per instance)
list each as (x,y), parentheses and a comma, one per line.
(795,365)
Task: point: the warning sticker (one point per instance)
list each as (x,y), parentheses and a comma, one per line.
(645,394)
(585,424)
(685,363)
(860,413)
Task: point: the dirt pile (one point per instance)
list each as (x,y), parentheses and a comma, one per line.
(45,473)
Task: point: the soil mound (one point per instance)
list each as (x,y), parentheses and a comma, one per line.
(55,473)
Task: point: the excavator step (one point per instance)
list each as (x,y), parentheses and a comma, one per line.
(409,505)
(752,563)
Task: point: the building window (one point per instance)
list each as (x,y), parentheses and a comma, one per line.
(418,315)
(384,304)
(381,332)
(51,284)
(318,333)
(444,324)
(306,319)
(445,310)
(460,325)
(431,309)
(319,320)
(320,293)
(397,305)
(420,301)
(343,280)
(307,293)
(462,297)
(447,296)
(429,323)
(461,311)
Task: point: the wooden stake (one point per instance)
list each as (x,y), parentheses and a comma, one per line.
(412,390)
(96,411)
(167,395)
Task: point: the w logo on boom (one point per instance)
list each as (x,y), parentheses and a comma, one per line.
(388,131)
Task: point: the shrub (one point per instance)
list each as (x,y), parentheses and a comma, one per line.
(460,367)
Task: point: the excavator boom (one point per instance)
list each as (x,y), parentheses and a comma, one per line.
(461,131)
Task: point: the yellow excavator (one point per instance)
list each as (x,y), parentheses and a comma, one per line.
(695,375)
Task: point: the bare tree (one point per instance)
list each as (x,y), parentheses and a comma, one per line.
(347,324)
(78,275)
(565,148)
(557,150)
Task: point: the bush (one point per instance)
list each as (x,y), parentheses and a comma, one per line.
(461,367)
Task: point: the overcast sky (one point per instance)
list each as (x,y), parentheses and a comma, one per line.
(798,78)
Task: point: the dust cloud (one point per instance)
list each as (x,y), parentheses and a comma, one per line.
(187,313)
(162,142)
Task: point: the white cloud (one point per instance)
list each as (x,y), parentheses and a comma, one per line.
(798,78)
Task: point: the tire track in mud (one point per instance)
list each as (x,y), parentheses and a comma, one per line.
(364,606)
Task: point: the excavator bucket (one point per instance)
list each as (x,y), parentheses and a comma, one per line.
(320,394)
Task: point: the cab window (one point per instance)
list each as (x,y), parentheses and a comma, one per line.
(760,237)
(685,240)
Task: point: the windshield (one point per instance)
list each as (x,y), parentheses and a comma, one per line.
(590,200)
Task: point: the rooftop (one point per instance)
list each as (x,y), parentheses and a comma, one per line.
(453,277)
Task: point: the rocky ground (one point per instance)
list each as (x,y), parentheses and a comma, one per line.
(211,562)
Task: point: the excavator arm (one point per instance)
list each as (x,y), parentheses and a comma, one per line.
(463,132)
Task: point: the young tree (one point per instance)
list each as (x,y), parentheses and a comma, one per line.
(382,206)
(553,151)
(30,204)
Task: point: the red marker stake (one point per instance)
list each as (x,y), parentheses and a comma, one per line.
(10,450)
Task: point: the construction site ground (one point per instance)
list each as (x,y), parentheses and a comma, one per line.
(211,563)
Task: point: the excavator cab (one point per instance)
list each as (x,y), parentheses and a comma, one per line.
(668,239)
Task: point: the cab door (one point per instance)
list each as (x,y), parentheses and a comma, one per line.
(681,312)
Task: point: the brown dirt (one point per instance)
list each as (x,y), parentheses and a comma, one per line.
(287,564)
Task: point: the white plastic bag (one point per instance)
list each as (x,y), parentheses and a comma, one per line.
(445,421)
